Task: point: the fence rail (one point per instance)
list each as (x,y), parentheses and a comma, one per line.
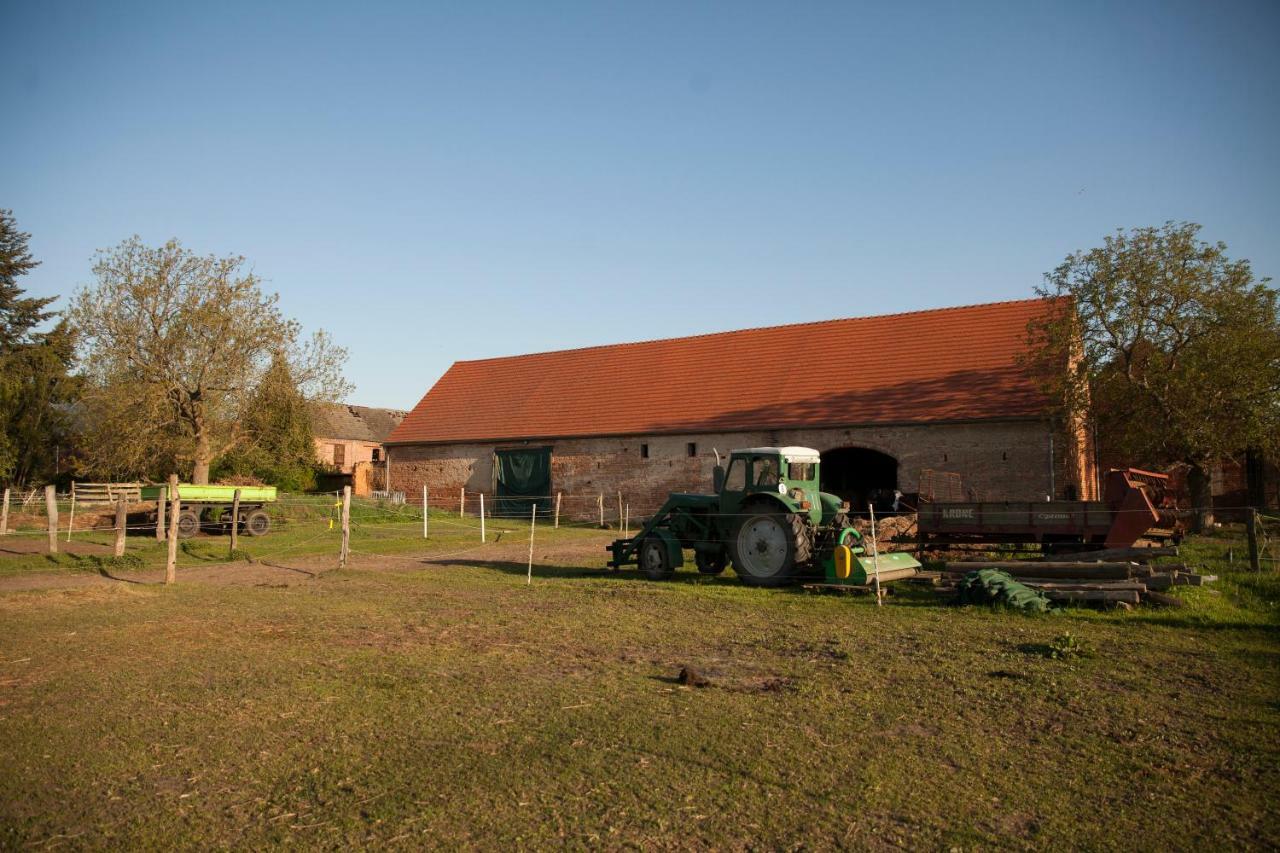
(98,494)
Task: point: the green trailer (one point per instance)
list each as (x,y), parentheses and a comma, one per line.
(210,507)
(767,518)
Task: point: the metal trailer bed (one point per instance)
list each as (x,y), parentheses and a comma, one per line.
(205,507)
(1127,513)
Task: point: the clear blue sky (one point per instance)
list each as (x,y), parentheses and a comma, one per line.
(432,182)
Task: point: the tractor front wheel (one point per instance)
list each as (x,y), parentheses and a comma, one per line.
(710,564)
(768,546)
(655,562)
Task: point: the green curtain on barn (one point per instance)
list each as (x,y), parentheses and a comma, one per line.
(524,479)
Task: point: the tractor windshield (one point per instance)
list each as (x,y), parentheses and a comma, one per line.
(766,469)
(803,471)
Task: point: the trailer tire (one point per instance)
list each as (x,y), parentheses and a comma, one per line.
(710,564)
(188,524)
(655,562)
(767,546)
(257,523)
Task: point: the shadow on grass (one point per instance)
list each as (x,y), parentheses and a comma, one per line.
(543,570)
(902,595)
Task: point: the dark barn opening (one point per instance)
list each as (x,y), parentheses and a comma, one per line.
(860,476)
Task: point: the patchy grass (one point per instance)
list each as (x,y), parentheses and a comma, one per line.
(442,701)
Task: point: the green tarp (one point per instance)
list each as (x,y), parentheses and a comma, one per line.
(524,479)
(992,586)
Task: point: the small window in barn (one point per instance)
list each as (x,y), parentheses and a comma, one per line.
(339,455)
(944,457)
(376,453)
(692,448)
(644,451)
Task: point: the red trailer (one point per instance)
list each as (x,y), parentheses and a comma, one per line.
(1130,509)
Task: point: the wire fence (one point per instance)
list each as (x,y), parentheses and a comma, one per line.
(442,520)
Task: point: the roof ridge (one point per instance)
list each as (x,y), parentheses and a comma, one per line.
(624,344)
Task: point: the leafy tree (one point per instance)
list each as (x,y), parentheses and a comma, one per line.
(279,447)
(175,345)
(1173,346)
(35,389)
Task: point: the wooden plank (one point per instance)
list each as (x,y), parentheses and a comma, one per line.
(1027,568)
(1126,596)
(1039,583)
(1139,555)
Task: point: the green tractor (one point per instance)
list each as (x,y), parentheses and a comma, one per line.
(768,518)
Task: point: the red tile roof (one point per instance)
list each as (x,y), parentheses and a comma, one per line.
(946,364)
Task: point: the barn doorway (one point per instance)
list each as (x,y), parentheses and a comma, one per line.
(861,476)
(522,479)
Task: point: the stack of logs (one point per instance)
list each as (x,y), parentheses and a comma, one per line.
(1117,577)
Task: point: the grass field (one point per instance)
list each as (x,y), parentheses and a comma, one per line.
(430,697)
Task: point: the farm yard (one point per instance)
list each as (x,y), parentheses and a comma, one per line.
(428,694)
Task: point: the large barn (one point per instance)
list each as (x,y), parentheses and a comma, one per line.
(922,401)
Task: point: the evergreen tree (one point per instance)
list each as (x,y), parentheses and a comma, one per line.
(35,389)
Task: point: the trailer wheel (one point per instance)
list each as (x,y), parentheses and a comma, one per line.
(655,562)
(188,524)
(257,523)
(710,564)
(767,547)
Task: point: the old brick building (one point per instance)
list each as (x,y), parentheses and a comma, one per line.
(346,436)
(883,398)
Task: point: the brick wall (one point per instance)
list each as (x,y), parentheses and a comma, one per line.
(353,451)
(999,460)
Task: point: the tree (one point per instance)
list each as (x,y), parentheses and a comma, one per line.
(279,447)
(175,345)
(35,389)
(1174,347)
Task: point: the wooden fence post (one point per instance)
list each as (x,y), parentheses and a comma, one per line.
(557,524)
(533,523)
(1251,530)
(71,520)
(619,511)
(160,517)
(4,515)
(120,527)
(424,510)
(235,521)
(175,509)
(346,528)
(600,502)
(51,509)
(482,517)
(462,502)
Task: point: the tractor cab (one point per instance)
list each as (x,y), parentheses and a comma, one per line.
(786,474)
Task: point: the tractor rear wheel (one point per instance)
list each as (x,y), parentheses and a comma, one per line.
(710,564)
(655,562)
(768,546)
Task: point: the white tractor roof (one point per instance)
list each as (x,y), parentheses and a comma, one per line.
(793,454)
